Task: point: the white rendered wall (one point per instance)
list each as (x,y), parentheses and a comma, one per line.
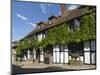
(62,57)
(78,58)
(25,58)
(13,55)
(57,53)
(39,37)
(41,58)
(34,54)
(69,57)
(87,52)
(58,56)
(81,58)
(66,56)
(54,55)
(93,58)
(41,55)
(28,54)
(87,57)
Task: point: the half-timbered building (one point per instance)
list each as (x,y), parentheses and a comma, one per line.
(84,51)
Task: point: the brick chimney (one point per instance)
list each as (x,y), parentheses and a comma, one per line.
(63,9)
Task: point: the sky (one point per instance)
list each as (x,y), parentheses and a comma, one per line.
(25,15)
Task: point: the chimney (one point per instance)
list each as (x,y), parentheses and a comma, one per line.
(63,9)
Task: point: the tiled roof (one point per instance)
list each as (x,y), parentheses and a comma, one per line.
(67,17)
(41,22)
(52,17)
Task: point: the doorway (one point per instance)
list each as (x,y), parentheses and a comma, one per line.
(76,52)
(38,54)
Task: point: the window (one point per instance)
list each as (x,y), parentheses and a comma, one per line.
(39,27)
(40,36)
(50,22)
(34,37)
(93,46)
(74,24)
(43,35)
(71,25)
(46,33)
(61,47)
(29,40)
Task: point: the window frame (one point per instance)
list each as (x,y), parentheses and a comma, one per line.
(74,26)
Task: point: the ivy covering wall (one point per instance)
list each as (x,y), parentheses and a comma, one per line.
(61,35)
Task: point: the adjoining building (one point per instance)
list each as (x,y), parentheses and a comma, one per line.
(83,52)
(13,52)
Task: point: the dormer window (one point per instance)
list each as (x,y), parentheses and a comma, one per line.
(52,19)
(41,24)
(50,22)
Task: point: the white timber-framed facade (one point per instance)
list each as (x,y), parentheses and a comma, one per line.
(85,51)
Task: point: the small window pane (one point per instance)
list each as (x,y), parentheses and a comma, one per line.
(50,22)
(76,23)
(93,46)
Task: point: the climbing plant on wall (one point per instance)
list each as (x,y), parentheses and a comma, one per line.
(23,45)
(88,27)
(58,35)
(61,35)
(18,51)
